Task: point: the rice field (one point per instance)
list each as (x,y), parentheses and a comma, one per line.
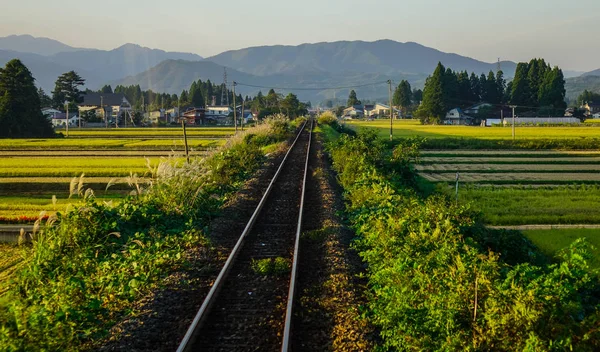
(552,241)
(32,171)
(410,128)
(520,188)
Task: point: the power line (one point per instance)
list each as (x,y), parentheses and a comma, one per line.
(316,88)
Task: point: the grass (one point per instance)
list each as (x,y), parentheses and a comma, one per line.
(271,266)
(552,241)
(410,128)
(10,258)
(526,205)
(515,177)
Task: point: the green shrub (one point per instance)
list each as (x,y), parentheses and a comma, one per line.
(441,282)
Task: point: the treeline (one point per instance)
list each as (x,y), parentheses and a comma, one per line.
(537,89)
(200,94)
(274,103)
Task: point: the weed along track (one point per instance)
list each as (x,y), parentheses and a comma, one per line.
(247,306)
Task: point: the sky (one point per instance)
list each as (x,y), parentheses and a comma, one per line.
(564,32)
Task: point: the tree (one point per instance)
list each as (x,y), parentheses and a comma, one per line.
(521,91)
(500,86)
(66,89)
(402,95)
(552,91)
(450,89)
(433,108)
(107,89)
(293,106)
(352,99)
(20,110)
(475,95)
(272,99)
(588,97)
(464,89)
(196,98)
(183,98)
(45,100)
(417,96)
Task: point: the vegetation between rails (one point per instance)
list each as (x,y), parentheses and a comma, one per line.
(439,281)
(88,265)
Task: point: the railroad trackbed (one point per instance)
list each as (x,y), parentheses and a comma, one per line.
(249,306)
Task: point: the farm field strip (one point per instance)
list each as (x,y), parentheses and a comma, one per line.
(512,153)
(416,129)
(552,241)
(515,177)
(97,153)
(105,143)
(64,180)
(526,160)
(497,168)
(526,205)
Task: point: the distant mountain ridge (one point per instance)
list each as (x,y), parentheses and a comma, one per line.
(34,45)
(592,73)
(382,56)
(96,66)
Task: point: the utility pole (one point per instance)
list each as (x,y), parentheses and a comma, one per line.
(103,111)
(234,108)
(243,117)
(513,121)
(391,111)
(67,103)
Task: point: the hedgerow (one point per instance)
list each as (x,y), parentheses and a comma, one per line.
(87,266)
(439,281)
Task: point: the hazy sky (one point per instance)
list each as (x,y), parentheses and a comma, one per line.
(564,32)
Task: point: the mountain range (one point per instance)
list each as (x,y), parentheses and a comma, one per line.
(308,68)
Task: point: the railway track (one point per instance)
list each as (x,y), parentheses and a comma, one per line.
(245,309)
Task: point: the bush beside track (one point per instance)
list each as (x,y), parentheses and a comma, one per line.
(441,281)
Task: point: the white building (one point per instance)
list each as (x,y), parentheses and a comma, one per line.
(218,111)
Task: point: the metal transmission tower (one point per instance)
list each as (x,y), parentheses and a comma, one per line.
(499,66)
(224,95)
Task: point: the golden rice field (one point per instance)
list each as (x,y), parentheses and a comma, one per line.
(410,128)
(32,171)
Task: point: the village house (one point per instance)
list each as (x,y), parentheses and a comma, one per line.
(356,111)
(60,119)
(591,108)
(196,116)
(109,105)
(457,116)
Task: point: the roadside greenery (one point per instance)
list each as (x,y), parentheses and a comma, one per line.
(442,282)
(87,266)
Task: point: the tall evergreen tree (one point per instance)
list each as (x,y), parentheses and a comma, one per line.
(45,100)
(417,96)
(450,89)
(464,89)
(196,98)
(402,95)
(433,108)
(352,99)
(552,91)
(500,86)
(107,89)
(66,89)
(20,110)
(475,88)
(521,91)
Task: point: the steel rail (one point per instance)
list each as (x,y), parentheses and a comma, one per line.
(188,339)
(287,332)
